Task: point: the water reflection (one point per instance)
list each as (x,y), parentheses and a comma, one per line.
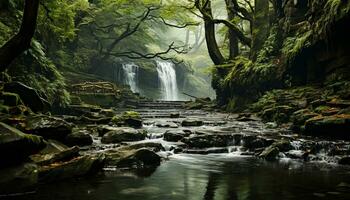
(209,178)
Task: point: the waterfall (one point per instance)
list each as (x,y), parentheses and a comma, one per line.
(167,78)
(130,71)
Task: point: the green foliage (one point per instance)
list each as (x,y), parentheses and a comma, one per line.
(40,73)
(293,45)
(57,18)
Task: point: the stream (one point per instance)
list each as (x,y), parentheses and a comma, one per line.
(220,176)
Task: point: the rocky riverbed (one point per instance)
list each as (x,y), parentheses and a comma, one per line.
(49,149)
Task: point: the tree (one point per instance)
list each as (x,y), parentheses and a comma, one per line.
(21,41)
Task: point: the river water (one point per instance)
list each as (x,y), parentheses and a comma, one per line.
(198,177)
(226,176)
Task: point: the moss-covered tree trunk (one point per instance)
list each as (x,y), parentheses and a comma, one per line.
(233,46)
(21,41)
(260,26)
(209,26)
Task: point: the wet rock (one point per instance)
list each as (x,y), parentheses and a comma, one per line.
(282,145)
(270,153)
(166,125)
(335,126)
(174,135)
(279,114)
(49,158)
(339,103)
(136,158)
(154,146)
(206,151)
(326,110)
(174,115)
(78,166)
(10,99)
(29,96)
(206,141)
(123,134)
(133,122)
(18,179)
(79,138)
(344,161)
(192,122)
(48,127)
(102,130)
(253,142)
(15,145)
(301,116)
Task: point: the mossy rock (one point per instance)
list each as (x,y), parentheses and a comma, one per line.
(123,134)
(11,99)
(15,146)
(335,126)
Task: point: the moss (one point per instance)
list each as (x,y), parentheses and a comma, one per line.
(126,115)
(292,46)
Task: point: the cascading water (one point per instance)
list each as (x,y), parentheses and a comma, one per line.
(130,71)
(167,78)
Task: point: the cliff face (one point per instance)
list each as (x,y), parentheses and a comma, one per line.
(309,45)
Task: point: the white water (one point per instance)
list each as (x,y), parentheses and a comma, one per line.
(130,71)
(167,78)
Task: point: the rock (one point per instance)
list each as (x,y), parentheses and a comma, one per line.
(18,179)
(270,153)
(15,145)
(339,103)
(335,126)
(29,96)
(174,115)
(344,161)
(129,118)
(133,122)
(301,116)
(49,158)
(153,146)
(133,158)
(166,125)
(78,166)
(192,122)
(282,145)
(79,138)
(174,135)
(206,141)
(48,127)
(11,99)
(206,151)
(326,110)
(253,142)
(279,114)
(123,134)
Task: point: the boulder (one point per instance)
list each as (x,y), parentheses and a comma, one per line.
(18,179)
(270,153)
(192,122)
(132,158)
(29,96)
(49,158)
(335,126)
(48,127)
(207,141)
(174,135)
(10,99)
(166,125)
(15,145)
(174,115)
(79,138)
(133,122)
(123,134)
(344,161)
(76,167)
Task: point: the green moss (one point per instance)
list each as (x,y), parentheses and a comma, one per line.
(126,115)
(293,45)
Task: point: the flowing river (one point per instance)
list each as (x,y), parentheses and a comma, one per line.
(221,176)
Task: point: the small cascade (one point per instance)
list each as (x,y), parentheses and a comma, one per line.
(167,78)
(130,71)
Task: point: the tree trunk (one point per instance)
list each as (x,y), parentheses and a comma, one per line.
(209,27)
(21,41)
(260,26)
(233,40)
